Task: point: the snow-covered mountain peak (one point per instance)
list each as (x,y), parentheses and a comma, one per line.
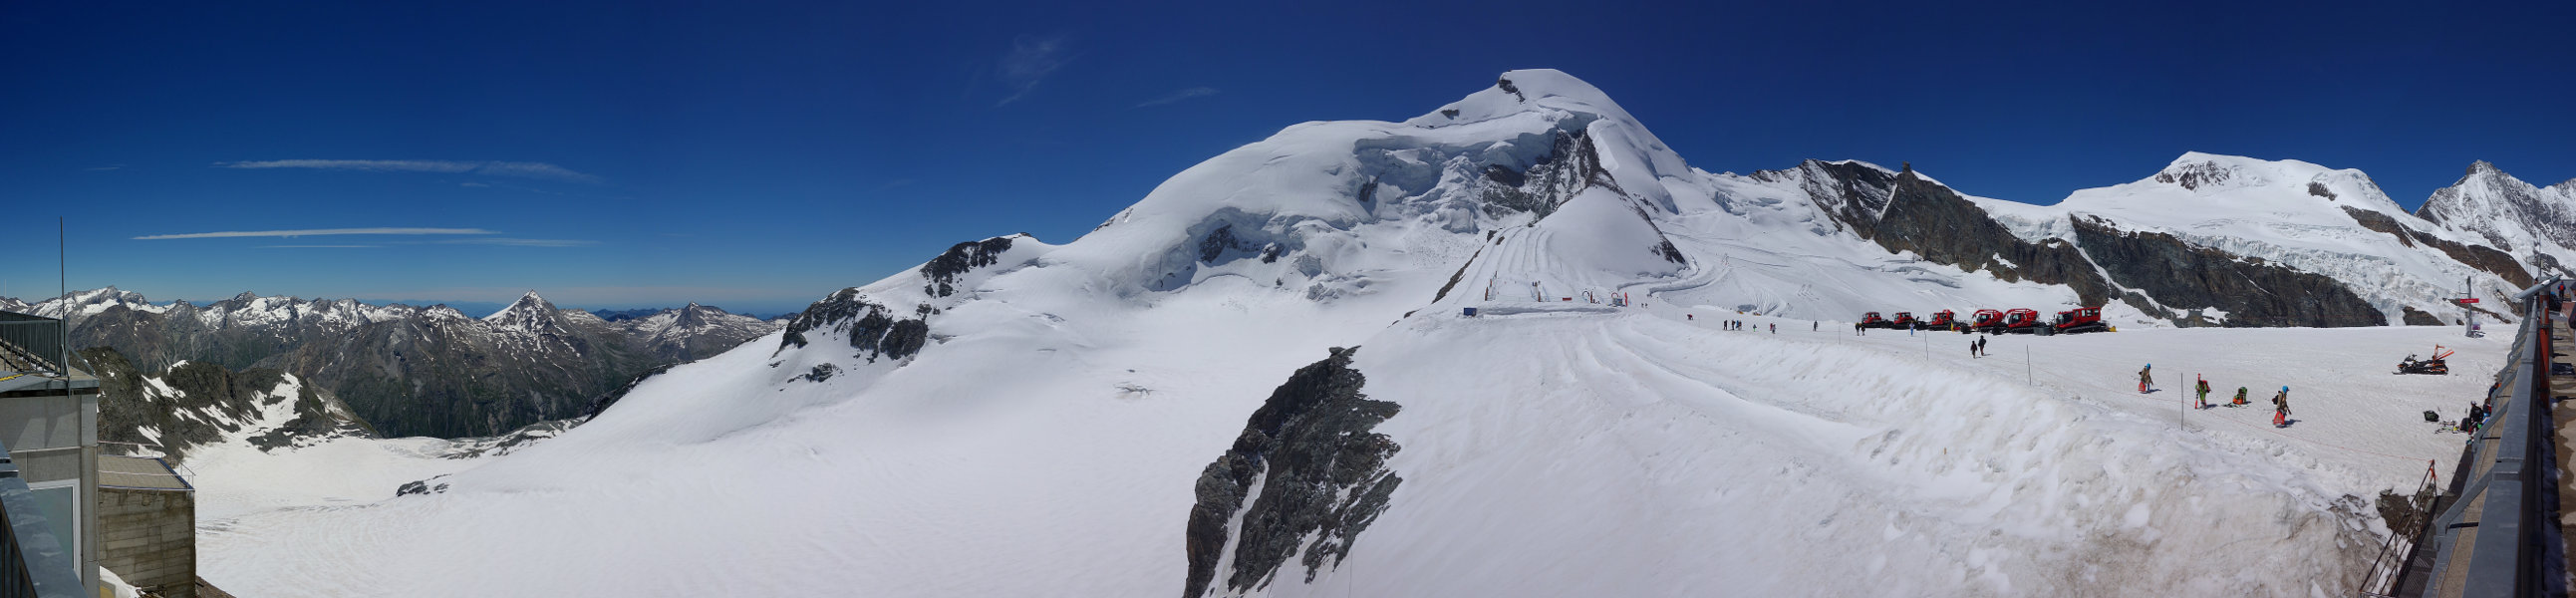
(83,304)
(527,304)
(529,314)
(2244,179)
(2505,211)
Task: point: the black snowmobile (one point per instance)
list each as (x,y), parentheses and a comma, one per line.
(2433,366)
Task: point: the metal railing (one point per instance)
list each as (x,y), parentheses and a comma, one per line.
(2499,536)
(33,342)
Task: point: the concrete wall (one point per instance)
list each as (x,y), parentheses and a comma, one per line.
(151,539)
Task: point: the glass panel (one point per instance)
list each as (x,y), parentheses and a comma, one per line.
(56,505)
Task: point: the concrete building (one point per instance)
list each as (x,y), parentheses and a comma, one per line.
(49,426)
(147,514)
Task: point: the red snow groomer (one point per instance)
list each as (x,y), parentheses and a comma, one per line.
(1942,320)
(1871,320)
(2079,320)
(2021,321)
(1904,320)
(1987,321)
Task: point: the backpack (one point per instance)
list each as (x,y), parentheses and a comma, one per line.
(2432,417)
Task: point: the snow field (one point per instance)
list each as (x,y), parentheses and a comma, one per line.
(1560,455)
(1051,450)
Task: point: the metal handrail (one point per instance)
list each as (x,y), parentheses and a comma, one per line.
(2508,548)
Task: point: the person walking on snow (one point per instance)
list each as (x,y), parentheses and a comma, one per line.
(2203,390)
(2281,408)
(2145,379)
(1981,345)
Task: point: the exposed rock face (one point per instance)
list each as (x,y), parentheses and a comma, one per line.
(875,330)
(2253,293)
(1933,221)
(943,270)
(454,377)
(198,403)
(1320,470)
(1850,192)
(1570,165)
(2481,257)
(691,333)
(414,370)
(2417,317)
(2196,175)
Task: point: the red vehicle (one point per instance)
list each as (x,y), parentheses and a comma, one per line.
(1904,319)
(2079,320)
(1942,320)
(1871,320)
(2021,321)
(1987,321)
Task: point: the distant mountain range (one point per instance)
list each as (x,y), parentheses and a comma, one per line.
(402,369)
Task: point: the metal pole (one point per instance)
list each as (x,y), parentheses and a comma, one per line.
(2025,366)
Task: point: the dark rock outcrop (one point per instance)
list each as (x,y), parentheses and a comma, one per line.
(2417,317)
(421,371)
(1851,193)
(455,377)
(875,330)
(941,271)
(2484,258)
(1933,221)
(2252,292)
(1570,166)
(1321,471)
(211,400)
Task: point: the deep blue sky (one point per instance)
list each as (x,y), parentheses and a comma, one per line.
(632,154)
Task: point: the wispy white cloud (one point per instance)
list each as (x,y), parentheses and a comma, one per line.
(1194,92)
(519,242)
(316,246)
(525,170)
(316,232)
(1031,60)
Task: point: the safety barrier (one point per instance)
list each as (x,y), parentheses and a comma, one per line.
(31,342)
(2498,534)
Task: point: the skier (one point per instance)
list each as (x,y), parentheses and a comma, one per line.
(2145,379)
(1981,345)
(2281,408)
(1813,325)
(2203,390)
(1775,328)
(2240,398)
(1856,329)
